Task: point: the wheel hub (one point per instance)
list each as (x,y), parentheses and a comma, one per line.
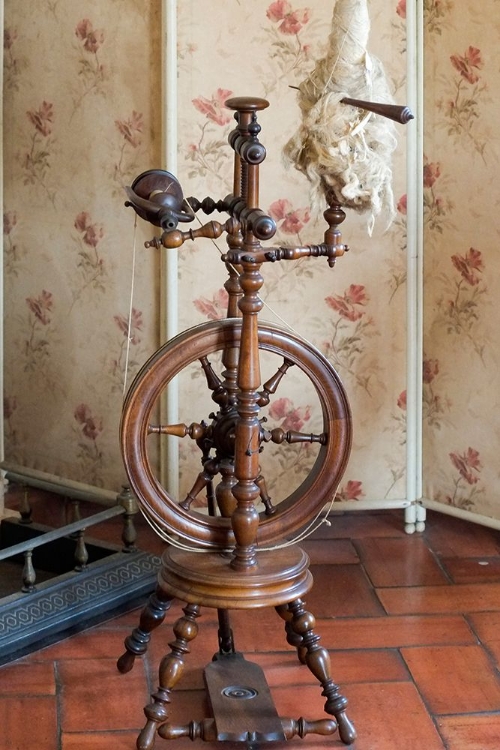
(223,433)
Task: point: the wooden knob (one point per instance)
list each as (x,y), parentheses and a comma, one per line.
(246,103)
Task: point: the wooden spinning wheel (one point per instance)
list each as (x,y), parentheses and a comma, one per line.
(247,561)
(217,438)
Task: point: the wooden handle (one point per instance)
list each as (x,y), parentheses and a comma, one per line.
(401,114)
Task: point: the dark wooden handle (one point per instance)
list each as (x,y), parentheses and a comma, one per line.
(401,114)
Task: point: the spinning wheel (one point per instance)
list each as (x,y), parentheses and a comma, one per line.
(248,559)
(217,438)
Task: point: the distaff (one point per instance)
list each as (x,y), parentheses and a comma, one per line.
(341,149)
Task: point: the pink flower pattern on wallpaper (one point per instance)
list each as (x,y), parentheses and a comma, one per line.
(282,51)
(58,63)
(460,305)
(437,15)
(468,64)
(9,222)
(470,266)
(91,72)
(209,154)
(214,108)
(9,37)
(215,308)
(462,107)
(9,410)
(397,265)
(131,130)
(135,324)
(37,343)
(35,160)
(399,417)
(12,64)
(9,406)
(91,38)
(437,209)
(89,455)
(41,307)
(132,330)
(351,330)
(90,264)
(11,250)
(434,406)
(352,490)
(432,172)
(289,21)
(289,463)
(466,485)
(91,428)
(468,465)
(288,219)
(399,24)
(289,55)
(288,415)
(348,305)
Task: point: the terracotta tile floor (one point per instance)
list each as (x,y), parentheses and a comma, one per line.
(412,625)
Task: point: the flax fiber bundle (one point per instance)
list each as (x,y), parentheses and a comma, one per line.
(342,149)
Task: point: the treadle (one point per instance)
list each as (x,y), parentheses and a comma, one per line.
(241,702)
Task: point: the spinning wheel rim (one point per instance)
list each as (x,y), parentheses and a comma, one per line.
(297,509)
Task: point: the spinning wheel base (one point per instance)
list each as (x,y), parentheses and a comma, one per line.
(208,580)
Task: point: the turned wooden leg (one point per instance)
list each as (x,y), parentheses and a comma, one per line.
(171,669)
(294,639)
(318,660)
(152,616)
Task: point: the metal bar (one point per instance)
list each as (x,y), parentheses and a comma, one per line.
(360,505)
(414,299)
(465,515)
(70,528)
(52,483)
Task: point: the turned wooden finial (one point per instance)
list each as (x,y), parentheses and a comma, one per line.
(334,216)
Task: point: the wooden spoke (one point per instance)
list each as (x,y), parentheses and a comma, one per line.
(195,431)
(214,383)
(271,385)
(204,479)
(291,436)
(264,495)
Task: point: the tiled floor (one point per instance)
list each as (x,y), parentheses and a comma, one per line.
(412,625)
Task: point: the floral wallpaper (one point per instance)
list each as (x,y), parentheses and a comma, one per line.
(82,119)
(81,104)
(82,101)
(461,265)
(355,313)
